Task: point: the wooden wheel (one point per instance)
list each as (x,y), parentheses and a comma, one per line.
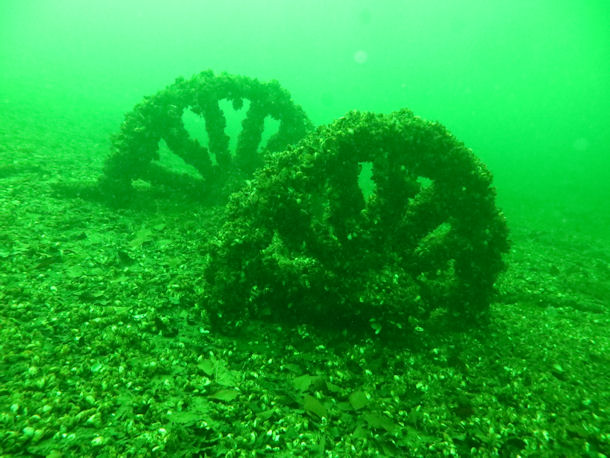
(160,117)
(305,237)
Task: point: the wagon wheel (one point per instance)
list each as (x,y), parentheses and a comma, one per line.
(160,117)
(304,238)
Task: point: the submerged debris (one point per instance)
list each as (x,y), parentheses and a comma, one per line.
(159,117)
(307,239)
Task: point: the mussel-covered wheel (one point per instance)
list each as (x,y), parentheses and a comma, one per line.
(160,117)
(314,235)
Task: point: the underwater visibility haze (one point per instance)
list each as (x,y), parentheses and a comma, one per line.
(335,228)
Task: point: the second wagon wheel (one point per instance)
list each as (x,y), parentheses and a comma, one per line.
(310,235)
(159,117)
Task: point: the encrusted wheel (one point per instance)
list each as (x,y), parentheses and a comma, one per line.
(306,236)
(158,117)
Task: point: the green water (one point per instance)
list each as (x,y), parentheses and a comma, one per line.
(525,84)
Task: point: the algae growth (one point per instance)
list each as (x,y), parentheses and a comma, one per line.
(322,312)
